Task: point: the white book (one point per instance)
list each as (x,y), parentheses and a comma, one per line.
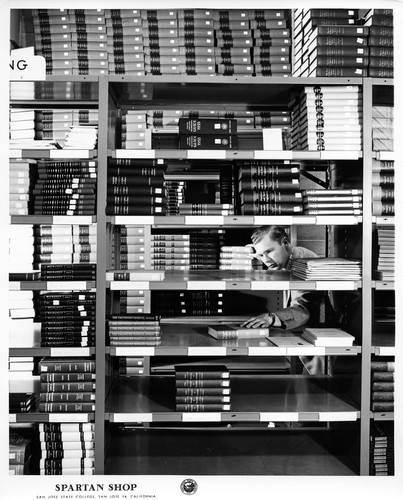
(328,337)
(74,445)
(72,436)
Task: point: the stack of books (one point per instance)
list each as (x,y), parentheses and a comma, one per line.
(175,195)
(81,137)
(170,251)
(382,128)
(124,42)
(67,448)
(383,187)
(235,258)
(21,248)
(68,272)
(23,331)
(326,268)
(332,201)
(380,41)
(205,247)
(382,450)
(72,41)
(207,133)
(269,188)
(129,247)
(328,337)
(383,386)
(21,374)
(131,366)
(65,188)
(386,253)
(21,126)
(21,179)
(135,187)
(327,118)
(68,319)
(67,385)
(21,305)
(134,330)
(202,388)
(19,454)
(132,301)
(134,133)
(189,303)
(65,244)
(21,402)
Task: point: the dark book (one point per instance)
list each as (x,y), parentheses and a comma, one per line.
(383,396)
(380,406)
(339,51)
(66,365)
(201,400)
(134,201)
(202,383)
(383,376)
(138,210)
(339,72)
(380,41)
(380,72)
(67,386)
(203,391)
(66,407)
(205,141)
(382,366)
(190,372)
(209,126)
(59,397)
(202,407)
(341,61)
(130,180)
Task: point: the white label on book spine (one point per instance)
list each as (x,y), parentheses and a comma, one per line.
(201,154)
(69,417)
(207,416)
(267,351)
(131,417)
(206,285)
(210,220)
(207,351)
(12,418)
(387,351)
(335,285)
(130,285)
(135,351)
(277,416)
(69,351)
(339,416)
(66,285)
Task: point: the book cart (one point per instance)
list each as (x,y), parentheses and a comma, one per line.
(311,425)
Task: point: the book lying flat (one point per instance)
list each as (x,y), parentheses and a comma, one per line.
(328,337)
(289,341)
(227,332)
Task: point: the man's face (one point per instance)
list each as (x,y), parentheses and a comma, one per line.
(272,253)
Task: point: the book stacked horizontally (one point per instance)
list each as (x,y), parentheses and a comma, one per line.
(208,133)
(170,251)
(328,337)
(326,268)
(134,330)
(133,301)
(380,42)
(332,201)
(189,303)
(131,365)
(175,195)
(21,402)
(19,454)
(382,128)
(235,258)
(269,188)
(124,42)
(205,247)
(224,331)
(327,118)
(67,385)
(21,306)
(206,209)
(67,448)
(21,126)
(72,41)
(22,329)
(68,319)
(382,449)
(21,180)
(134,133)
(202,388)
(383,187)
(135,187)
(21,252)
(65,244)
(68,272)
(129,247)
(383,386)
(386,253)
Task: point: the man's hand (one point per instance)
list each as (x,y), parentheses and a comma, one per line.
(262,321)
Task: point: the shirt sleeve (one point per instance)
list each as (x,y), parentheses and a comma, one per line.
(303,306)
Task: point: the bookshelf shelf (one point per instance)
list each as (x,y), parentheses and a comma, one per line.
(385,155)
(53,154)
(383,285)
(53,219)
(262,398)
(384,221)
(377,416)
(58,352)
(32,417)
(51,285)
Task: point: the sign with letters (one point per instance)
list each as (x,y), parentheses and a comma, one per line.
(24,65)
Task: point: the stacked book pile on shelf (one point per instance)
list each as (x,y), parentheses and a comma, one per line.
(332,201)
(268,188)
(189,303)
(68,272)
(134,330)
(19,454)
(382,128)
(170,251)
(67,448)
(134,133)
(383,386)
(131,366)
(65,244)
(235,258)
(21,402)
(135,187)
(129,247)
(328,337)
(82,137)
(133,301)
(382,450)
(175,195)
(383,187)
(208,133)
(202,388)
(21,249)
(21,180)
(327,118)
(23,330)
(67,319)
(380,42)
(21,376)
(326,268)
(385,269)
(67,385)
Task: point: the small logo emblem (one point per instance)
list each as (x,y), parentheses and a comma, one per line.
(224,126)
(189,486)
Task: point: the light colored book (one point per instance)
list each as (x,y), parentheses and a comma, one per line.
(328,337)
(227,332)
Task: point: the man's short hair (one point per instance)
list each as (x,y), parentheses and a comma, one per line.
(276,233)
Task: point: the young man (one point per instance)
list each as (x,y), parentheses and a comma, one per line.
(272,246)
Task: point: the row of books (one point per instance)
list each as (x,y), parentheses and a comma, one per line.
(382,449)
(382,128)
(332,201)
(134,330)
(385,269)
(383,187)
(20,451)
(382,394)
(67,448)
(130,366)
(164,42)
(343,43)
(202,388)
